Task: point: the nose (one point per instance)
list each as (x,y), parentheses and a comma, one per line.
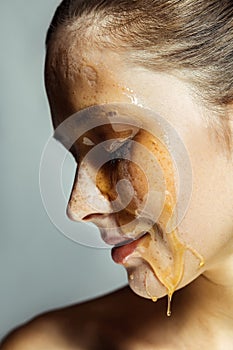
(86,199)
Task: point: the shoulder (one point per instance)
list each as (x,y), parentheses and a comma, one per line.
(43,332)
(77,326)
(107,322)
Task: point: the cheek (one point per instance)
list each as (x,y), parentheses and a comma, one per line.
(137,178)
(207,220)
(153,177)
(207,224)
(147,187)
(150,175)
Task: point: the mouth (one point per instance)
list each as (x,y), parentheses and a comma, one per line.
(122,251)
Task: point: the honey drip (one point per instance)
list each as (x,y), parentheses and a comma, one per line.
(153,298)
(152,247)
(169,300)
(171,275)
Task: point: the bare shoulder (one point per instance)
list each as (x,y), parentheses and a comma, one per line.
(58,329)
(42,332)
(114,321)
(74,327)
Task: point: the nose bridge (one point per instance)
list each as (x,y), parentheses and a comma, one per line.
(86,198)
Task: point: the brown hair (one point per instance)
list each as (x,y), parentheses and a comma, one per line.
(192,38)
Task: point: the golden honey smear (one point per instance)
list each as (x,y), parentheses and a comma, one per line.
(170,275)
(151,247)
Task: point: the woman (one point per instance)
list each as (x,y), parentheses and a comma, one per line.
(154,75)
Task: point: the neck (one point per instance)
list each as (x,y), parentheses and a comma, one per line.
(217,287)
(214,298)
(209,299)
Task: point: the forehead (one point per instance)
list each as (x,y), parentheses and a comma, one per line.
(77,77)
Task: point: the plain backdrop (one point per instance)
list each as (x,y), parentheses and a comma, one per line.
(40,269)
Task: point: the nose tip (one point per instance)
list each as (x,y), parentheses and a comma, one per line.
(76,214)
(86,199)
(80,212)
(81,208)
(71,214)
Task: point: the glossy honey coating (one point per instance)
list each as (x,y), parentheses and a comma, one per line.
(171,274)
(139,170)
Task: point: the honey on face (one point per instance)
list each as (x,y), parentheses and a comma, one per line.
(123,165)
(171,273)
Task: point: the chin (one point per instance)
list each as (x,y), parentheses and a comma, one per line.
(143,281)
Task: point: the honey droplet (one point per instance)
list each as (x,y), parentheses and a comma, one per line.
(197,255)
(153,298)
(169,300)
(131,277)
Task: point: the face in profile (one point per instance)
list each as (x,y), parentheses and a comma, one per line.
(151,173)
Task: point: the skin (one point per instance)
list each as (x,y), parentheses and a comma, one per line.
(204,307)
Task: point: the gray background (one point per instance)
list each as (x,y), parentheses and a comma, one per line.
(40,269)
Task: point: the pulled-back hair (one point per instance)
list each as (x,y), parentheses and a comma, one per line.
(192,38)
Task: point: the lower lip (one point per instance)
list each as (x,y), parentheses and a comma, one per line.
(119,254)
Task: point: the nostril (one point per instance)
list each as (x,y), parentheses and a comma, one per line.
(90,217)
(87,217)
(79,215)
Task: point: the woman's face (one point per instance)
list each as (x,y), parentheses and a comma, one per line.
(112,193)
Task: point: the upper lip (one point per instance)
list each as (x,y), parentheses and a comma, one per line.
(116,238)
(105,224)
(130,240)
(118,241)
